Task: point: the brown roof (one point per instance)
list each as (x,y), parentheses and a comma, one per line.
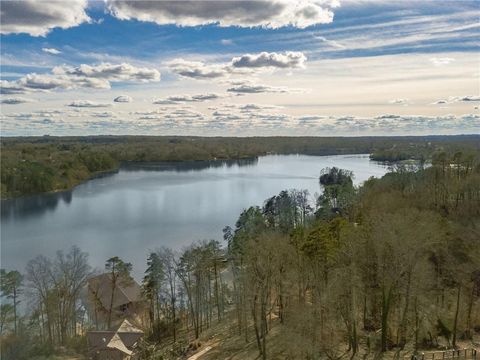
(127,327)
(123,339)
(117,343)
(125,291)
(99,339)
(129,333)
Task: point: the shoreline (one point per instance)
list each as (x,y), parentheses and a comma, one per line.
(120,164)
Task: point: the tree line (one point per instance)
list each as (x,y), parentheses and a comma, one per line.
(32,165)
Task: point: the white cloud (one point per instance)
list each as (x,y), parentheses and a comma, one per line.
(332,43)
(455,99)
(466,98)
(104,114)
(252,119)
(388,123)
(247,116)
(388,116)
(123,99)
(112,72)
(179,99)
(247,87)
(256,107)
(47,82)
(289,59)
(196,69)
(15,101)
(440,61)
(87,104)
(226,42)
(243,13)
(403,102)
(83,76)
(248,63)
(255,88)
(37,18)
(52,51)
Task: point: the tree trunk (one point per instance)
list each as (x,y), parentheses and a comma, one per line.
(256,327)
(469,313)
(15,310)
(216,289)
(455,321)
(403,323)
(354,340)
(385,311)
(110,309)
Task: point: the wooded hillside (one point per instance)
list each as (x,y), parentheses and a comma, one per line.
(391,267)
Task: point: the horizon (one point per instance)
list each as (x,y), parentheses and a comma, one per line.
(240,136)
(326,68)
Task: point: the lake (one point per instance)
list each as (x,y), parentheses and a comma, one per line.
(145,206)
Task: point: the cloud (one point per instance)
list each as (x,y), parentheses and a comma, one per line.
(233,118)
(386,124)
(179,99)
(38,18)
(256,107)
(455,99)
(247,87)
(87,104)
(332,43)
(441,61)
(311,118)
(403,102)
(47,82)
(388,116)
(247,116)
(197,69)
(255,88)
(104,114)
(176,116)
(111,72)
(467,98)
(248,63)
(289,59)
(83,76)
(243,13)
(123,99)
(205,97)
(14,101)
(226,42)
(51,51)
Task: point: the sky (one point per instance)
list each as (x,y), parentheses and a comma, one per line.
(240,68)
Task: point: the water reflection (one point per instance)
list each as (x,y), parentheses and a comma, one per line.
(181,166)
(36,205)
(33,205)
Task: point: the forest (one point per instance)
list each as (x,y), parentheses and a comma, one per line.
(384,270)
(32,165)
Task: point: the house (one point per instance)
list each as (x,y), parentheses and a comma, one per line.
(127,300)
(114,345)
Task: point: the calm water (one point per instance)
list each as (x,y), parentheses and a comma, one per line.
(144,207)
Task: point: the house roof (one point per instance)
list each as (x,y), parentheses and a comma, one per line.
(99,339)
(126,291)
(122,339)
(117,343)
(129,333)
(127,327)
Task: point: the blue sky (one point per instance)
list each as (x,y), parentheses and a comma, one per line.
(270,67)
